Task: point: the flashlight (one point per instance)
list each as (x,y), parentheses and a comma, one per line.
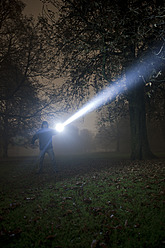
(60,127)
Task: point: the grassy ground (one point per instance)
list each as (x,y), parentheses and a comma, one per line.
(92,202)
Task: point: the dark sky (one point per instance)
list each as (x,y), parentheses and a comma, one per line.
(33,7)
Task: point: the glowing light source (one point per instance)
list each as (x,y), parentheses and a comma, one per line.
(60,127)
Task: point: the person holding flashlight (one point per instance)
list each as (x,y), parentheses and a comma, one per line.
(45,135)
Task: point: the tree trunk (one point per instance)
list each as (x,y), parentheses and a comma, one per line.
(5,140)
(140,148)
(118,144)
(5,149)
(117,137)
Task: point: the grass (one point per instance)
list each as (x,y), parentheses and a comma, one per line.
(93,202)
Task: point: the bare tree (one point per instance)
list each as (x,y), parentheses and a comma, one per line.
(26,75)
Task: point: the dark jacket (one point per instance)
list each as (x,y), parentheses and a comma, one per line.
(45,138)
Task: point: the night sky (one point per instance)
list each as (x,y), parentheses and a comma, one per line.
(33,7)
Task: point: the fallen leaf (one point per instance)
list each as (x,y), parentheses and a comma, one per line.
(67,198)
(51,236)
(126,223)
(94,243)
(87,200)
(103,245)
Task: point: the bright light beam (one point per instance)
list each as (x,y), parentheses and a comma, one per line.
(97,101)
(134,76)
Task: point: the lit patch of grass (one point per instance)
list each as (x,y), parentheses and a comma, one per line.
(103,204)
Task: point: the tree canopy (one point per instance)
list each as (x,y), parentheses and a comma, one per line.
(99,41)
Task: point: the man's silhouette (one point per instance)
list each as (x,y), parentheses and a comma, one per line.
(45,144)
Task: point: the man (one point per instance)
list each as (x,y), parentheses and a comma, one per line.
(45,144)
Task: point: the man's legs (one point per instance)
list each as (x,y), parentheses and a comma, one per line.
(41,160)
(52,157)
